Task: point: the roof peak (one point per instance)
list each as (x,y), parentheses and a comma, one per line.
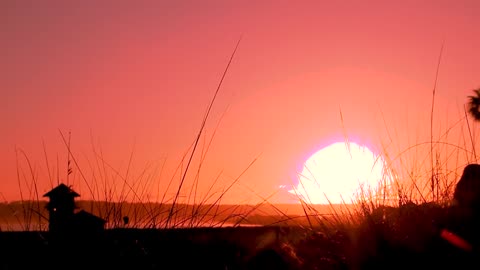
(62,189)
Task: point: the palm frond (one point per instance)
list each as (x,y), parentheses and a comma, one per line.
(474,105)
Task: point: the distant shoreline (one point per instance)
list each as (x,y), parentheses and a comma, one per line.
(32,215)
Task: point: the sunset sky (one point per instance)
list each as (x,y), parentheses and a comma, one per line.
(137,77)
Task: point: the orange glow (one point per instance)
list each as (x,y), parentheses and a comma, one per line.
(338,173)
(138,78)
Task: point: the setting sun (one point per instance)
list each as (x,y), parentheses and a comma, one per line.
(240,134)
(338,173)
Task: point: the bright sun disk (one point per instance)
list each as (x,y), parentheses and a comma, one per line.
(338,173)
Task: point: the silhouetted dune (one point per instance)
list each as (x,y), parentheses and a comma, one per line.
(200,248)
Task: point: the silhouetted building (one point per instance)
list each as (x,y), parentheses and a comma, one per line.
(62,216)
(61,207)
(84,221)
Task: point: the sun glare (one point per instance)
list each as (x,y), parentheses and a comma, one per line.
(338,173)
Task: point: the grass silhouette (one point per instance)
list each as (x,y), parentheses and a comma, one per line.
(392,226)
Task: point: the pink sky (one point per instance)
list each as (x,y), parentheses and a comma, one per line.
(139,76)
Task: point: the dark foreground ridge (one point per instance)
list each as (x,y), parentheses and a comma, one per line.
(192,248)
(379,245)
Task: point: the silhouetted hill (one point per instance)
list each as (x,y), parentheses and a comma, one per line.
(28,215)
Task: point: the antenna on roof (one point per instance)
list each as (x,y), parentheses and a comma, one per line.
(69,169)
